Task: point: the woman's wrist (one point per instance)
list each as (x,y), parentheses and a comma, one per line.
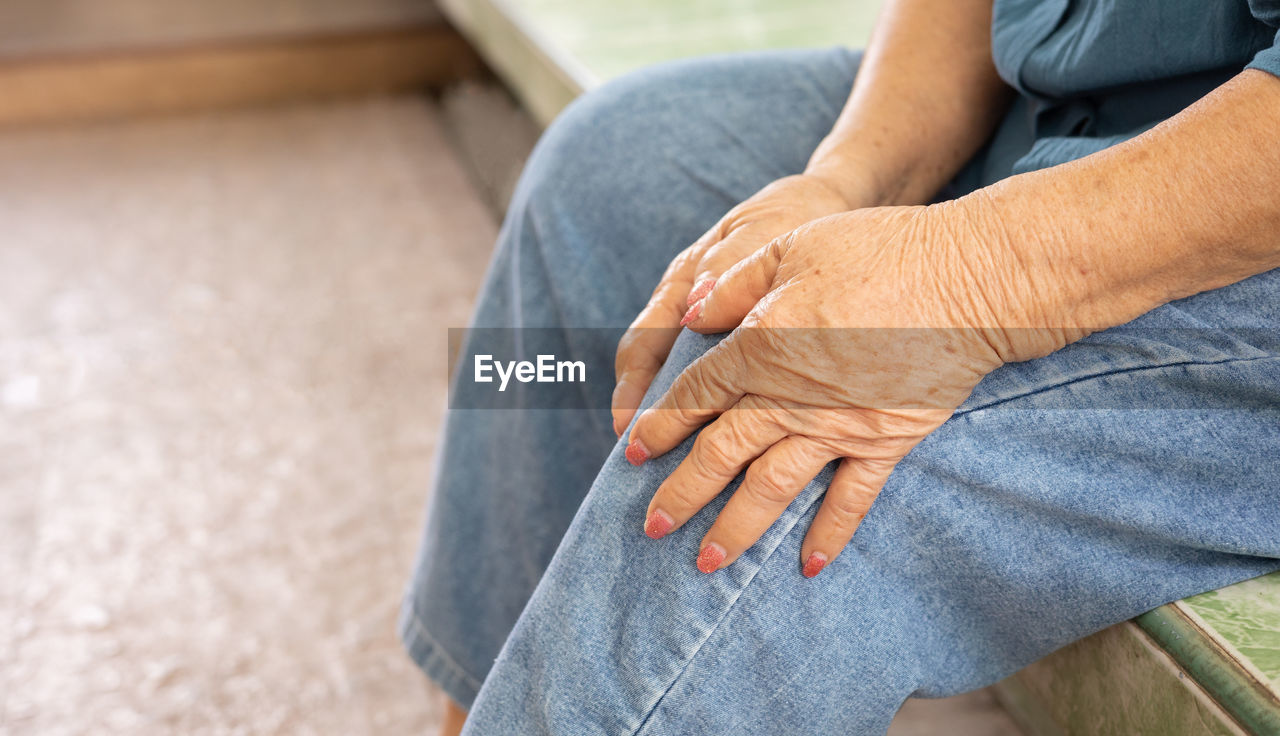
(1184,208)
(1018,283)
(861,179)
(1077,269)
(1050,256)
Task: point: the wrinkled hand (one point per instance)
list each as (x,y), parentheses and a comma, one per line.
(859,335)
(773,211)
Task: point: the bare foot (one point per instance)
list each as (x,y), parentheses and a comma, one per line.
(454,717)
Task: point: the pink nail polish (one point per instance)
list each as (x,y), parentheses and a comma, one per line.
(710,558)
(658,524)
(692,314)
(814,564)
(703,288)
(636,452)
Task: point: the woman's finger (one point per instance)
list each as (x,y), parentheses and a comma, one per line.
(641,353)
(737,246)
(853,489)
(706,388)
(738,291)
(721,451)
(772,482)
(701,287)
(648,340)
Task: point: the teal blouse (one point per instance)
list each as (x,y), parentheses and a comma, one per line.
(1092,73)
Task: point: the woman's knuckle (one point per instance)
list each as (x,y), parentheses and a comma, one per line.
(681,496)
(712,379)
(741,433)
(770,483)
(626,353)
(716,454)
(847,509)
(684,259)
(693,392)
(634,359)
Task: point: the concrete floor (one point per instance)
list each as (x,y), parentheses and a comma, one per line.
(221,370)
(222,345)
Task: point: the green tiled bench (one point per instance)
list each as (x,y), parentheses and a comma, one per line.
(1206,665)
(550,51)
(1209,664)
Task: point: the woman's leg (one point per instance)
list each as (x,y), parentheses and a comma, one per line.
(624,179)
(1133,468)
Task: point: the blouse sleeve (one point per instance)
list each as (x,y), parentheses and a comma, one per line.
(1268,59)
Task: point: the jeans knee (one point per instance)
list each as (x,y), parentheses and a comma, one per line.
(613,190)
(606,147)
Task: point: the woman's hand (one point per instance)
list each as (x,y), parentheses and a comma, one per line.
(778,208)
(860,334)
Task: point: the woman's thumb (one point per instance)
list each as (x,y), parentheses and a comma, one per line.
(736,292)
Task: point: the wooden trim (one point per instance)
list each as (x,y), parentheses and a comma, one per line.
(145,81)
(542,78)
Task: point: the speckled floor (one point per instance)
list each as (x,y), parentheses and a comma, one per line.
(221,369)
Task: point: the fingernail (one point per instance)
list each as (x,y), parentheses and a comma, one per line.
(658,524)
(814,564)
(710,557)
(703,288)
(692,314)
(636,452)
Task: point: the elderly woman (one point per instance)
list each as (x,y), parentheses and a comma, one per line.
(905,325)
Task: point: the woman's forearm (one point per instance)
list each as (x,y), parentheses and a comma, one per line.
(1191,205)
(926,98)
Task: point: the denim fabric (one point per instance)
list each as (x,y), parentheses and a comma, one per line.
(1043,511)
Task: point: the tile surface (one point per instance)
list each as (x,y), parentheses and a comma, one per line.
(1245,618)
(610,37)
(549,51)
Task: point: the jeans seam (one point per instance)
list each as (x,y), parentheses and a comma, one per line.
(420,630)
(644,722)
(1103,374)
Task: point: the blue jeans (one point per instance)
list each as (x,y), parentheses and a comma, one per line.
(1035,516)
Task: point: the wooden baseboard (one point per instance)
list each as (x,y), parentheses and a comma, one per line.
(127,83)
